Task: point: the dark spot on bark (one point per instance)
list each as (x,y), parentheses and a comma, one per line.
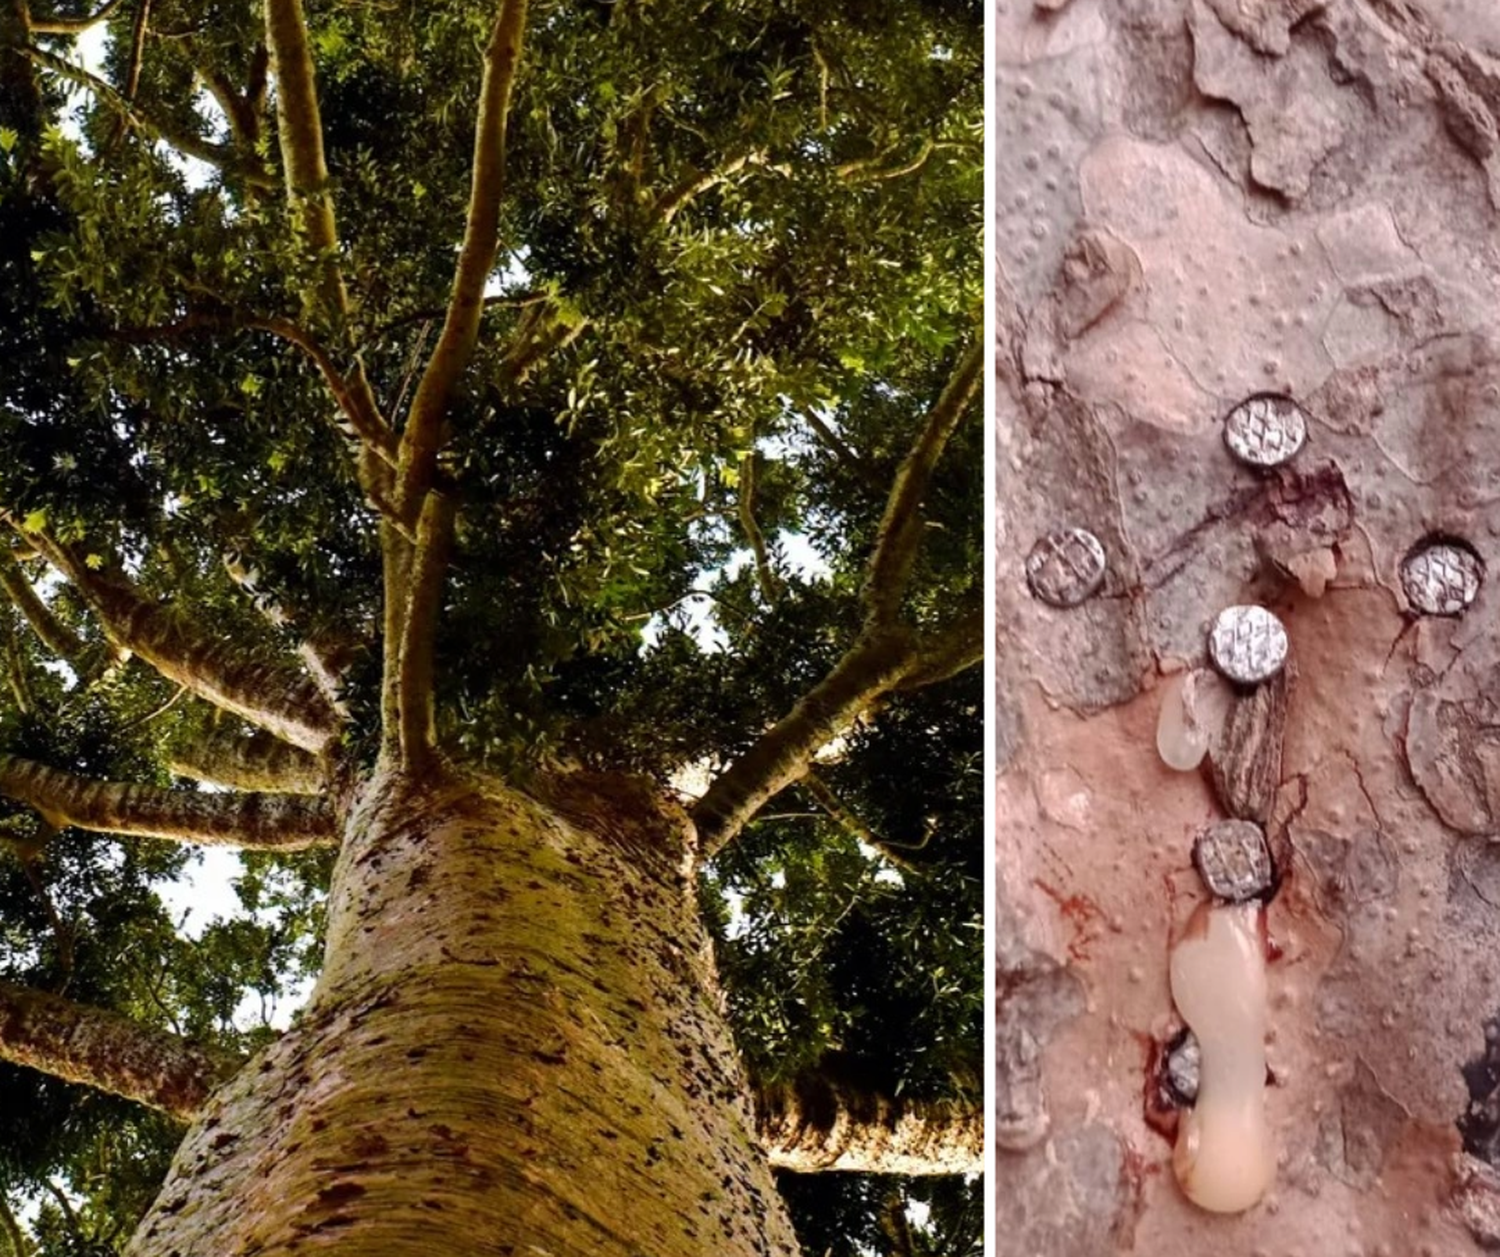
(369,1144)
(223,1140)
(1479,1126)
(319,1123)
(338,1193)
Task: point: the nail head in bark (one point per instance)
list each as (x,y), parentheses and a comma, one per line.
(1065,567)
(1265,430)
(1441,577)
(1233,860)
(1247,644)
(1184,1059)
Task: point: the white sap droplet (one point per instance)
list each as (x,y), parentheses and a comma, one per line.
(1180,742)
(1224,1160)
(1207,697)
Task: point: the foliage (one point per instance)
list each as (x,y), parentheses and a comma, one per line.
(748,240)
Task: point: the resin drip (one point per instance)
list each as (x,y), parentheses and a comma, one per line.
(1223,1159)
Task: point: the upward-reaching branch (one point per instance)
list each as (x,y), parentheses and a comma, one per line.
(900,534)
(414,574)
(102,1049)
(300,128)
(887,655)
(874,665)
(251,822)
(476,259)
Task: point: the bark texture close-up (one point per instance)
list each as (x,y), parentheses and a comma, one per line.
(1201,203)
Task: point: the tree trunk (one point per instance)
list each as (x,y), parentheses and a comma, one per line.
(1201,201)
(516,1046)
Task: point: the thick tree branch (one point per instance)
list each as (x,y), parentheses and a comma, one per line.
(215,155)
(900,533)
(55,635)
(252,822)
(476,259)
(822,1124)
(279,699)
(871,667)
(946,654)
(73,25)
(300,128)
(258,762)
(104,1050)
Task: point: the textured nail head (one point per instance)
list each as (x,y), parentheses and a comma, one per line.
(1184,1060)
(1247,644)
(1265,430)
(1441,578)
(1065,567)
(1233,860)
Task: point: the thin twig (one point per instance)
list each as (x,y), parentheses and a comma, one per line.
(770,587)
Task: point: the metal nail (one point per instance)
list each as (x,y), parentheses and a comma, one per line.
(1065,567)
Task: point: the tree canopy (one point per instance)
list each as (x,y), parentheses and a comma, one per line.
(553,386)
